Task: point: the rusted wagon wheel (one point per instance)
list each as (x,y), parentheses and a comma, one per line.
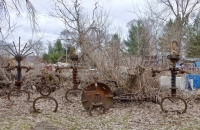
(97,95)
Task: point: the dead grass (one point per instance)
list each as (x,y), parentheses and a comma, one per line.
(72,116)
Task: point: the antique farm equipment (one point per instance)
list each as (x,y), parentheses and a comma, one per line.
(150,96)
(19,55)
(97,95)
(174,58)
(76,83)
(45,91)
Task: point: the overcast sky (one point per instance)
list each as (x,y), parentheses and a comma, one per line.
(51,27)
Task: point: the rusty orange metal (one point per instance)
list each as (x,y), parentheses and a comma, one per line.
(97,94)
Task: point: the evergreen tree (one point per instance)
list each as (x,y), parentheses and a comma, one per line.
(55,53)
(193,48)
(136,38)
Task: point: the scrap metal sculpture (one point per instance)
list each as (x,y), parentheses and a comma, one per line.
(97,95)
(19,55)
(74,68)
(45,91)
(174,58)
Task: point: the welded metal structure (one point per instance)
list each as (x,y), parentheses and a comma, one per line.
(76,83)
(45,91)
(19,55)
(97,95)
(74,58)
(174,58)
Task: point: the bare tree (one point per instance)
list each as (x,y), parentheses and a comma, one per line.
(86,32)
(17,5)
(181,10)
(37,47)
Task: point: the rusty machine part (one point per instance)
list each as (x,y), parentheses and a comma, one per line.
(97,95)
(45,91)
(174,58)
(149,97)
(19,55)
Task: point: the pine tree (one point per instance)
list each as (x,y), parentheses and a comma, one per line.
(135,39)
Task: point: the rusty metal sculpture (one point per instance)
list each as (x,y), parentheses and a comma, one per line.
(174,58)
(97,95)
(45,91)
(19,55)
(74,68)
(74,58)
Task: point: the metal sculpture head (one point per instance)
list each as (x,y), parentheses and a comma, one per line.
(19,54)
(174,57)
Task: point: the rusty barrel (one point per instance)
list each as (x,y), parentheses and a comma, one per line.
(96,94)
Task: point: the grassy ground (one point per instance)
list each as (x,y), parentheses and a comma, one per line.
(72,116)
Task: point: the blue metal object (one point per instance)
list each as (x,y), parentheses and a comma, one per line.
(196,81)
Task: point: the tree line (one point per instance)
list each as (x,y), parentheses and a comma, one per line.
(148,34)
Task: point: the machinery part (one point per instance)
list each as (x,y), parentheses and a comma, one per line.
(75,93)
(34,102)
(44,89)
(101,108)
(171,99)
(18,91)
(97,95)
(97,104)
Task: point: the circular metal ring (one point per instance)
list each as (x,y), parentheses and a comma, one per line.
(34,102)
(48,90)
(66,94)
(162,108)
(9,94)
(92,108)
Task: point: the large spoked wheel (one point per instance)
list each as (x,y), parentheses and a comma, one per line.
(173,104)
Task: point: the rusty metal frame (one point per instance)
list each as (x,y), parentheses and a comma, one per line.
(174,58)
(19,55)
(44,96)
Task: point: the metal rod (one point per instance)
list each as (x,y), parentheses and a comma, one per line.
(27,54)
(26,51)
(24,48)
(15,47)
(11,50)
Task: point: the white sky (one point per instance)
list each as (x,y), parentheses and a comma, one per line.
(51,27)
